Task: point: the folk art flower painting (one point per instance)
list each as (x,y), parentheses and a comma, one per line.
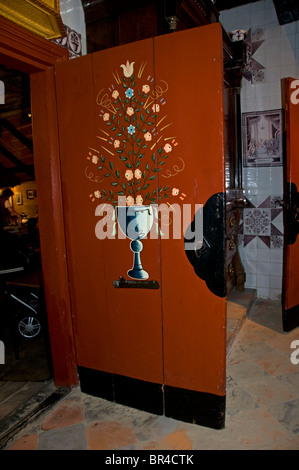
(134,140)
(134,146)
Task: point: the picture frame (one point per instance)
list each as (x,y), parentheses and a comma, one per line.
(19,199)
(31,193)
(262,137)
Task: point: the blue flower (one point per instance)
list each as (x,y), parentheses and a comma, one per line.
(131,129)
(129,93)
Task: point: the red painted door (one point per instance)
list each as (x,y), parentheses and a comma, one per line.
(291,226)
(141,145)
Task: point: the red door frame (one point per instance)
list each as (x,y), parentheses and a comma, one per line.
(290,297)
(25,51)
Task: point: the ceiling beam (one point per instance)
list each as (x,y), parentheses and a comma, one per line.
(20,166)
(25,51)
(16,133)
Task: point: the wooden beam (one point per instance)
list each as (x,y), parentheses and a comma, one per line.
(25,51)
(51,225)
(16,133)
(20,165)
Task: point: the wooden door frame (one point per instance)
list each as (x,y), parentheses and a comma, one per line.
(27,52)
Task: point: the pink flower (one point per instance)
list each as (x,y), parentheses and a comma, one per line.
(175,191)
(97,194)
(139,200)
(167,148)
(130,201)
(115,94)
(156,108)
(137,174)
(148,136)
(129,175)
(95,159)
(145,88)
(106,117)
(130,111)
(116,143)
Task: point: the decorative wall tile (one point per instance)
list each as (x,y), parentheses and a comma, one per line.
(260,221)
(254,71)
(276,242)
(257,222)
(71,41)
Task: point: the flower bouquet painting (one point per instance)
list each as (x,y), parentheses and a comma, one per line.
(134,147)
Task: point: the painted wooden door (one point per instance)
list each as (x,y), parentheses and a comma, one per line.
(141,145)
(291,226)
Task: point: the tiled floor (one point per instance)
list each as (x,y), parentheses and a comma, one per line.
(262,410)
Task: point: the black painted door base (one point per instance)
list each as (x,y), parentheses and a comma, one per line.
(290,318)
(204,409)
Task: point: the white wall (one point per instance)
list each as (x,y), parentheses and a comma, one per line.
(279,54)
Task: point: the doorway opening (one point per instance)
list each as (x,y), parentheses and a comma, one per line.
(23,318)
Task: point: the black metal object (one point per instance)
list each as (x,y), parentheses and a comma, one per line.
(292,213)
(209,261)
(287,10)
(124,283)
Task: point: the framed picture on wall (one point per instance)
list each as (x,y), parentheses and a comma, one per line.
(31,193)
(262,136)
(19,199)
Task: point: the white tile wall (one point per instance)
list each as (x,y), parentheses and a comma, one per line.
(279,54)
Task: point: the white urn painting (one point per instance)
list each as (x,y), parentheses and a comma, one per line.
(134,145)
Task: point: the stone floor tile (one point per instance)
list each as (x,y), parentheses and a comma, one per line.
(66,438)
(149,427)
(177,440)
(269,391)
(288,415)
(96,409)
(109,435)
(27,442)
(67,413)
